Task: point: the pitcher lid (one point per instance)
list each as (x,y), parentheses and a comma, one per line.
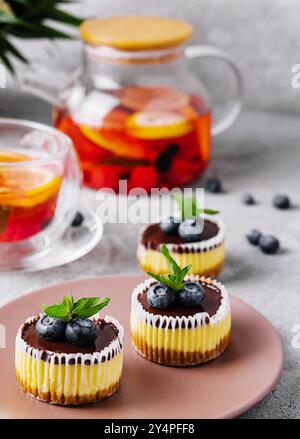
(136,32)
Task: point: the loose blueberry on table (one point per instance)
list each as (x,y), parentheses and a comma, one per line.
(269,244)
(69,320)
(253,236)
(78,220)
(248,199)
(172,287)
(214,185)
(281,201)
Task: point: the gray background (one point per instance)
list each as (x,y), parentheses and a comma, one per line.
(260,153)
(261,35)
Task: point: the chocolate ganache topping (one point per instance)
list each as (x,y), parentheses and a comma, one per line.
(153,236)
(210,304)
(107,332)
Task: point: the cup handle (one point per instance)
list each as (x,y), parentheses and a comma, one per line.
(233,108)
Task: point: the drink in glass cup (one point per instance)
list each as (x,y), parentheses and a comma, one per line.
(28,194)
(40,184)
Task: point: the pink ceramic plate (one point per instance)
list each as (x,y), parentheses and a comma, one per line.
(223,388)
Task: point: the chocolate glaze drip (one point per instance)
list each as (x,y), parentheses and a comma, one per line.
(106,334)
(210,304)
(153,236)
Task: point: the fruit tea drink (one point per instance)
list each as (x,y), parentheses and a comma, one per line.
(151,137)
(28,195)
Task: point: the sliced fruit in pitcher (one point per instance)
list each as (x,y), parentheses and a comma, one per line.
(157,125)
(117,142)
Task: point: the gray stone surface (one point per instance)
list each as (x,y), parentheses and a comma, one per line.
(262,36)
(261,154)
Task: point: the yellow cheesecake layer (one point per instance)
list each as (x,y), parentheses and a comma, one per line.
(180,341)
(204,263)
(180,347)
(68,384)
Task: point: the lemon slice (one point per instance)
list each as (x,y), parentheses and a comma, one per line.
(11,156)
(28,187)
(119,144)
(153,125)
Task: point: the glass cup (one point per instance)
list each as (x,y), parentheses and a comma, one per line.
(40,183)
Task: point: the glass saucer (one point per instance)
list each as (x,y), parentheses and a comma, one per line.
(74,243)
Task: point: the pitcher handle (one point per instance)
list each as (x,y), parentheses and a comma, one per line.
(234,106)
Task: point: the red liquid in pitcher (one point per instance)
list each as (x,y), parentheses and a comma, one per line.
(151,137)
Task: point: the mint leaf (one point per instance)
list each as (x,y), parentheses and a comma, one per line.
(88,307)
(174,280)
(68,303)
(188,207)
(68,309)
(174,267)
(208,211)
(57,311)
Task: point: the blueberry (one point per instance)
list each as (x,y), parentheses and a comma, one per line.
(170,225)
(248,199)
(81,332)
(269,244)
(173,149)
(214,185)
(191,229)
(163,162)
(254,236)
(160,295)
(192,294)
(281,201)
(51,329)
(78,220)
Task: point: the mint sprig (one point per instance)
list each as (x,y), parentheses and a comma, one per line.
(188,207)
(174,280)
(68,309)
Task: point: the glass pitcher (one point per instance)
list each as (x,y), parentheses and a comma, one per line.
(135,111)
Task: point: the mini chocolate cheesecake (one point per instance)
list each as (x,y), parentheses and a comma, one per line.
(72,362)
(180,320)
(181,335)
(204,251)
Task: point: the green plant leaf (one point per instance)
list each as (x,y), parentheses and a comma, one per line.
(63,17)
(87,307)
(6,62)
(12,49)
(27,19)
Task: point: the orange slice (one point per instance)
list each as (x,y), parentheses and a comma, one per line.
(12,156)
(153,125)
(27,187)
(117,142)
